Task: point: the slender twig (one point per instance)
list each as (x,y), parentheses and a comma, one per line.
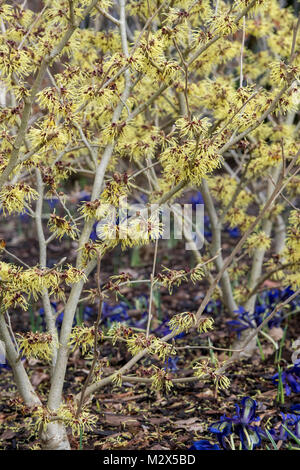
(242,52)
(151,289)
(108,16)
(96,338)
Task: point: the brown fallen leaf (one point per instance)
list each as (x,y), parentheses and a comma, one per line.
(190,424)
(276,333)
(159,447)
(38,377)
(7,435)
(159,420)
(118,420)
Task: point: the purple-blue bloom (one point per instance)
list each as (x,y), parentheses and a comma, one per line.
(291,422)
(24,216)
(290,378)
(52,202)
(240,425)
(204,444)
(196,199)
(234,232)
(265,305)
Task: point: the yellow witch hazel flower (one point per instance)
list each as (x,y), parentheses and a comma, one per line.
(84,337)
(205,324)
(138,342)
(73,275)
(115,189)
(258,240)
(119,331)
(192,127)
(94,209)
(171,278)
(61,226)
(203,370)
(36,345)
(283,73)
(161,380)
(291,252)
(14,197)
(223,24)
(66,413)
(182,322)
(41,417)
(79,424)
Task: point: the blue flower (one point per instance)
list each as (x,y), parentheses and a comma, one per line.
(88,312)
(291,422)
(163,330)
(3,362)
(234,232)
(171,364)
(59,318)
(115,313)
(240,425)
(265,305)
(290,378)
(204,445)
(296,408)
(197,199)
(24,216)
(93,234)
(83,197)
(244,321)
(52,202)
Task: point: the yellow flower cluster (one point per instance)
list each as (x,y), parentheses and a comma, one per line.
(36,345)
(161,380)
(182,322)
(84,337)
(203,370)
(14,197)
(61,226)
(138,342)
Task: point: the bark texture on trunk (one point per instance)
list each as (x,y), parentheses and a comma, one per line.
(55,437)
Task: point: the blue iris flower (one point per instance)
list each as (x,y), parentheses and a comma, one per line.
(163,329)
(24,216)
(234,232)
(243,322)
(240,425)
(290,379)
(3,362)
(93,234)
(59,318)
(52,202)
(196,199)
(171,364)
(291,422)
(296,408)
(88,313)
(204,445)
(116,313)
(84,196)
(264,307)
